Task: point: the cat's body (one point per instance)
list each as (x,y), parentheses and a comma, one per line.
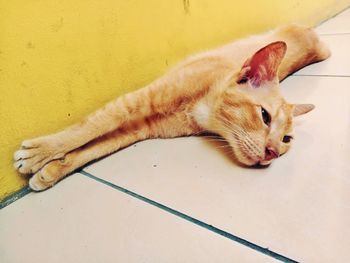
(232,91)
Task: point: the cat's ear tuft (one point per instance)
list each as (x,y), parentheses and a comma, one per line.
(300,109)
(263,65)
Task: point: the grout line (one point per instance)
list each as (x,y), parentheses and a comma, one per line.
(327,76)
(334,34)
(333,16)
(15,196)
(212,228)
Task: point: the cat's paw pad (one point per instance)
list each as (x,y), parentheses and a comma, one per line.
(33,155)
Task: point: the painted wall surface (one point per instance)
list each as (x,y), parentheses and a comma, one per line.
(61,59)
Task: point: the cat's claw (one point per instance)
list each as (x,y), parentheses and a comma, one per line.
(28,161)
(29,166)
(33,155)
(23,154)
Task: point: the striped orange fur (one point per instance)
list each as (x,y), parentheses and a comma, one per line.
(232,91)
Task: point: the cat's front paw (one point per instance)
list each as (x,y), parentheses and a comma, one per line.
(39,182)
(50,174)
(34,154)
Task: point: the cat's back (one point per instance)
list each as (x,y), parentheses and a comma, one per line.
(237,52)
(201,70)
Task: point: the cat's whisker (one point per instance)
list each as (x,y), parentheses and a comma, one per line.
(247,143)
(225,146)
(215,139)
(252,143)
(205,136)
(197,133)
(225,150)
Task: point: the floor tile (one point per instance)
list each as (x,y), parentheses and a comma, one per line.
(338,64)
(299,206)
(340,24)
(81,220)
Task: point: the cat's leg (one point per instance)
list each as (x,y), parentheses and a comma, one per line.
(55,170)
(35,153)
(156,127)
(164,96)
(304,47)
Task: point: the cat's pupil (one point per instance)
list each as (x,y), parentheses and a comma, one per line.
(286,139)
(265,116)
(243,80)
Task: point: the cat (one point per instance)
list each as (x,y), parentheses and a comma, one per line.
(232,91)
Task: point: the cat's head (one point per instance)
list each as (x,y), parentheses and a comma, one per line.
(252,114)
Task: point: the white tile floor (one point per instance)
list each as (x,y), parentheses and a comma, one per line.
(299,207)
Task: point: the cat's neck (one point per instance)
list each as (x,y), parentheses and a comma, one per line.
(203,111)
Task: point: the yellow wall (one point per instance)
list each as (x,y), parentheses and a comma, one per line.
(61,59)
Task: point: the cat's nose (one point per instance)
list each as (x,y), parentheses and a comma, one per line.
(271,153)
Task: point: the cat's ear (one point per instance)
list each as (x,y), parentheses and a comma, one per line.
(300,109)
(263,65)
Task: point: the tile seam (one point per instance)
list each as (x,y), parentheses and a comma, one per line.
(15,196)
(334,34)
(193,220)
(315,75)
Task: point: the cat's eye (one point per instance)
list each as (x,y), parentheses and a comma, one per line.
(265,116)
(243,80)
(287,138)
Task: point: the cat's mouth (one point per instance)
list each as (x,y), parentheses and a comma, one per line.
(261,163)
(256,161)
(256,156)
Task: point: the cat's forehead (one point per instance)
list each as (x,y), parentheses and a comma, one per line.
(268,95)
(283,117)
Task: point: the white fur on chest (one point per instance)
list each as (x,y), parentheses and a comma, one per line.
(201,113)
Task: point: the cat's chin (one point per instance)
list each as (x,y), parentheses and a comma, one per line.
(256,163)
(249,161)
(264,163)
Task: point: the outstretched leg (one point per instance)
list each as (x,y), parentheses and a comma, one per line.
(303,48)
(163,97)
(57,169)
(166,127)
(35,153)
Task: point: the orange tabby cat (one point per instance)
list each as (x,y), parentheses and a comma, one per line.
(232,91)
